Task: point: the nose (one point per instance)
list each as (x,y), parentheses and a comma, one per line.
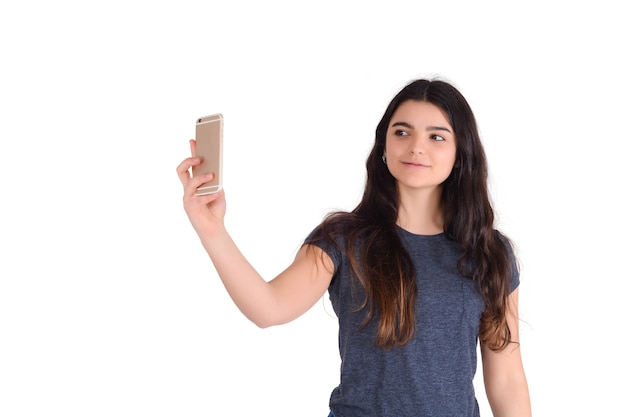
(418,145)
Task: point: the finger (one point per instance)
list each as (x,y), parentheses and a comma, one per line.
(193,183)
(183,169)
(206,198)
(192,145)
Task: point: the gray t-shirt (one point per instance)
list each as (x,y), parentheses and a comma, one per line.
(431,376)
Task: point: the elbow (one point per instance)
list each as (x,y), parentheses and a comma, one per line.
(264,321)
(268,317)
(262,324)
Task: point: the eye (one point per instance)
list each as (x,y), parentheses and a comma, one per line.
(400,132)
(437,138)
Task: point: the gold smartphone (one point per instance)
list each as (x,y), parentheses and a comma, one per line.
(209,132)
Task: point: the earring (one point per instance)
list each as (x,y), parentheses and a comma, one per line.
(385,159)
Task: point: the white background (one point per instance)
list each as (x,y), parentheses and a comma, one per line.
(108,304)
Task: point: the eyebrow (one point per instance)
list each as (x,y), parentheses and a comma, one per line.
(429,128)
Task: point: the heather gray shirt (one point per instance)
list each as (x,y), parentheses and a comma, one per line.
(432,375)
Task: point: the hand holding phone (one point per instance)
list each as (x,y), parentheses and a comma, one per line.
(209,132)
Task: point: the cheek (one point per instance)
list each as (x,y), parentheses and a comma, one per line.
(447,157)
(391,147)
(389,140)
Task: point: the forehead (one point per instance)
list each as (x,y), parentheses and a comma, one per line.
(420,113)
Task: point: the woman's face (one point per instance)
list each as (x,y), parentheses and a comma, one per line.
(420,147)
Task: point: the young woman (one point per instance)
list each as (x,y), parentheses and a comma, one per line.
(416,273)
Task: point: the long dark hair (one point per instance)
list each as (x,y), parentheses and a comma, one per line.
(375,250)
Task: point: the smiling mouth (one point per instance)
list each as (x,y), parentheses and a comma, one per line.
(415,164)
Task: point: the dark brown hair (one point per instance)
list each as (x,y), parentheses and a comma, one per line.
(375,250)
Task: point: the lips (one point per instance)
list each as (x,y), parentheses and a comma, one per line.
(415,164)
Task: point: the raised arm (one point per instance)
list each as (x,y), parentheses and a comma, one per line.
(503,372)
(266,303)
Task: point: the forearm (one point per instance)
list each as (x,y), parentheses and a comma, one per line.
(250,292)
(510,398)
(503,372)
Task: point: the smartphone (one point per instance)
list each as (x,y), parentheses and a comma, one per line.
(209,132)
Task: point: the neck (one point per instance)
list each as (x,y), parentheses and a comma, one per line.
(420,212)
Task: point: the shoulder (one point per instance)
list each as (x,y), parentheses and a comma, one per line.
(335,228)
(509,245)
(512,259)
(334,235)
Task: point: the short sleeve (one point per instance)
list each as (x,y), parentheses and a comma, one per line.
(331,248)
(515,278)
